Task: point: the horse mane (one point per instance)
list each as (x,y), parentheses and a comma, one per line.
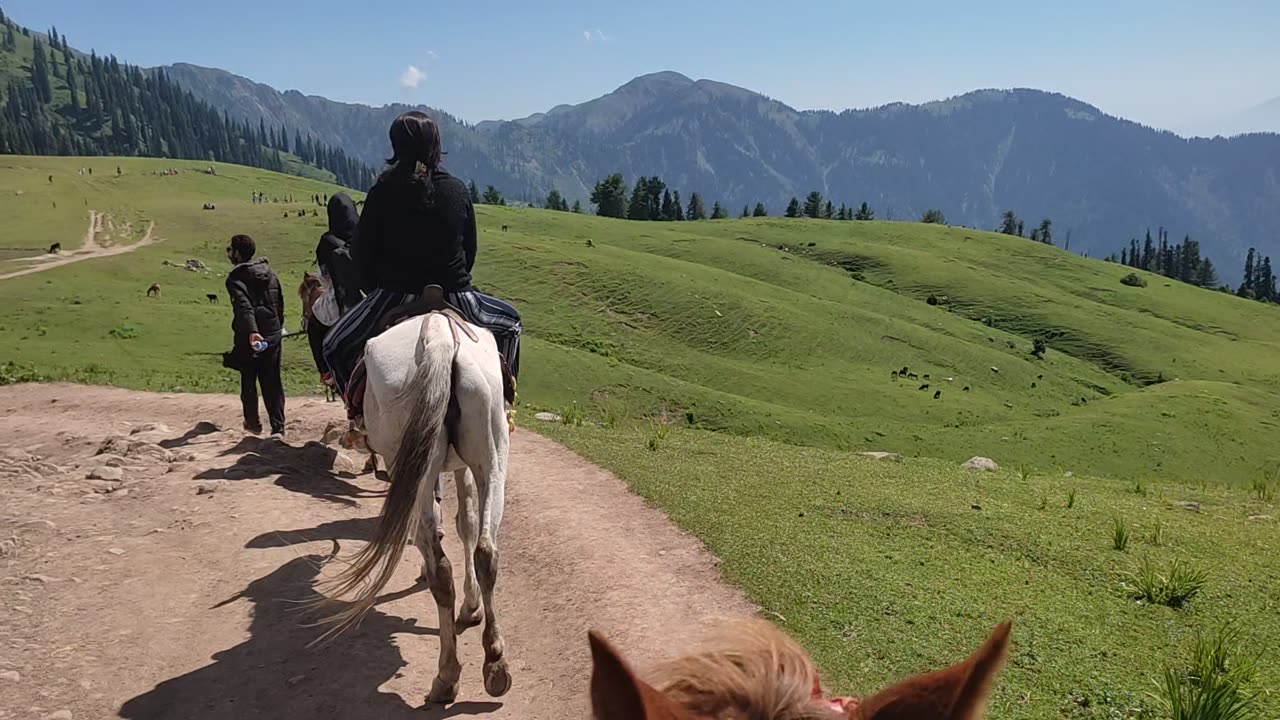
(747,669)
(309,283)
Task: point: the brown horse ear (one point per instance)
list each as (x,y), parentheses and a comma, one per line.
(956,693)
(616,692)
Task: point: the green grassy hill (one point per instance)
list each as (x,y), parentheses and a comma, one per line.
(726,369)
(751,327)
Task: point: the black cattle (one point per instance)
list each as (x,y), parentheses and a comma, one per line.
(212,298)
(924,386)
(937,395)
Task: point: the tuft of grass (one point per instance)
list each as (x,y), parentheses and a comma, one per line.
(1174,586)
(1120,535)
(1139,489)
(658,434)
(1264,489)
(12,373)
(1157,534)
(1026,472)
(572,415)
(1071,498)
(1044,502)
(125,332)
(1217,683)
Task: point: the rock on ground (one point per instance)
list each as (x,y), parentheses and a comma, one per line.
(982,464)
(885,456)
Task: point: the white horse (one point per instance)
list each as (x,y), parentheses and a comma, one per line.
(434,404)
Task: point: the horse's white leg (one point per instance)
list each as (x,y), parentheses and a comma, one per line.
(469,531)
(491,483)
(438,573)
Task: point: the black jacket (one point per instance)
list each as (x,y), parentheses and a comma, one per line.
(416,231)
(257,303)
(333,254)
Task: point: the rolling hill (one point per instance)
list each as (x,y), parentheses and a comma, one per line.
(728,370)
(1099,177)
(783,329)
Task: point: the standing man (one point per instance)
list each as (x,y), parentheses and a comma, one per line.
(258,306)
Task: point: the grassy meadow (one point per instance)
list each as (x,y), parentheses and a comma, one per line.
(731,370)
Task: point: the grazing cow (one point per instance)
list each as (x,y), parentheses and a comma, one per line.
(55,248)
(286,213)
(212,298)
(903,371)
(504,228)
(937,395)
(966,388)
(1040,377)
(590,244)
(926,377)
(894,375)
(924,386)
(912,376)
(154,290)
(1033,386)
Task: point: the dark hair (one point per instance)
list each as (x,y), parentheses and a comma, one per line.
(243,247)
(415,138)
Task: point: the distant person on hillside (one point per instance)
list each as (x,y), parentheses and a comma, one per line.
(418,228)
(258,306)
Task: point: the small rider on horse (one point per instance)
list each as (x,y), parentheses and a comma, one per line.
(417,231)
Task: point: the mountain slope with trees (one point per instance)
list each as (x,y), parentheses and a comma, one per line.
(1102,179)
(59,101)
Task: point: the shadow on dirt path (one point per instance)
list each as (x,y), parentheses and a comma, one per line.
(274,669)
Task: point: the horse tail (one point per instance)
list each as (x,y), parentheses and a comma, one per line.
(423,449)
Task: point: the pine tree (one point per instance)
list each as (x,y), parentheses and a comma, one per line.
(668,210)
(1247,287)
(474,192)
(677,206)
(638,208)
(1148,253)
(717,212)
(1008,223)
(934,217)
(813,205)
(1046,231)
(1133,253)
(697,210)
(1266,281)
(71,88)
(828,211)
(556,201)
(1206,276)
(492,196)
(40,74)
(610,196)
(577,206)
(746,211)
(793,208)
(759,211)
(864,212)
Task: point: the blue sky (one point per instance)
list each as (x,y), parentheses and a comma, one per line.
(1173,64)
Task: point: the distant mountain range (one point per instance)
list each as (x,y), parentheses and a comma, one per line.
(1100,178)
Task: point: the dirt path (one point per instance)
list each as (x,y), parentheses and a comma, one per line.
(89,249)
(164,594)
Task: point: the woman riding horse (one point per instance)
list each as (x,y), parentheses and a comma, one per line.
(418,229)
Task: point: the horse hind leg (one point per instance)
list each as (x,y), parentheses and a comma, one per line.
(469,532)
(491,486)
(438,573)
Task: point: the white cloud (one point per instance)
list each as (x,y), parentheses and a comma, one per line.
(412,77)
(596,35)
(433,54)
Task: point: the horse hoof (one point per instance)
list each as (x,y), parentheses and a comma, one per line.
(497,680)
(442,694)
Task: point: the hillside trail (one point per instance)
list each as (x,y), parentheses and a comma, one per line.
(97,243)
(164,588)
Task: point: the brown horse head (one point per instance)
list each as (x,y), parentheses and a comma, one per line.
(759,672)
(309,291)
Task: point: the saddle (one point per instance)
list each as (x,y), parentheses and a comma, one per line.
(432,301)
